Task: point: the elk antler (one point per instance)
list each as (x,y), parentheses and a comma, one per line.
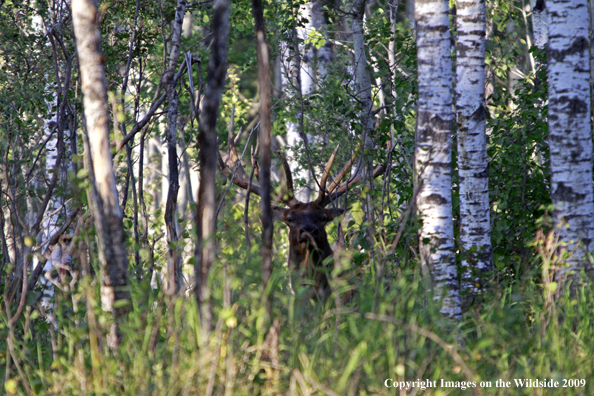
(338,190)
(230,165)
(290,195)
(322,192)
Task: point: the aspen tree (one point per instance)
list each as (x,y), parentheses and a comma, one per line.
(473,169)
(570,140)
(433,151)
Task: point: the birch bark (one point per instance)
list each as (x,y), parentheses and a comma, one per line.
(297,70)
(540,28)
(433,151)
(570,138)
(473,170)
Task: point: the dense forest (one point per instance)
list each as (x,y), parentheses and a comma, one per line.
(301,197)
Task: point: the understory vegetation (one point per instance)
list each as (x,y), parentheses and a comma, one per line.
(390,329)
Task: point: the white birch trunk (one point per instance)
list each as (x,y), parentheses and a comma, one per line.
(50,223)
(287,69)
(433,151)
(307,71)
(591,37)
(569,128)
(55,125)
(473,169)
(410,15)
(154,159)
(324,53)
(540,23)
(304,84)
(164,173)
(392,9)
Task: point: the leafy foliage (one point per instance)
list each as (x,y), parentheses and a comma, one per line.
(518,173)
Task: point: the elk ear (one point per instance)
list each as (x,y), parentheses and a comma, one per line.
(279,213)
(333,213)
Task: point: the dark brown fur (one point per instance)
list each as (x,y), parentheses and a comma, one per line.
(308,241)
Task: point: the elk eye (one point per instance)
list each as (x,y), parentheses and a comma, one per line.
(290,218)
(324,217)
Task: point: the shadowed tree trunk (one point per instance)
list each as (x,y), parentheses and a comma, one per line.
(207,141)
(174,260)
(107,214)
(265,139)
(362,78)
(433,151)
(365,99)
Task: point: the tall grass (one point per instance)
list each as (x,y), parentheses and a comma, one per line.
(391,328)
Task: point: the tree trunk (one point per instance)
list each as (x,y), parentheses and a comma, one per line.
(366,118)
(207,141)
(473,169)
(108,217)
(362,78)
(324,53)
(297,70)
(433,151)
(174,259)
(265,138)
(570,138)
(288,64)
(591,37)
(540,28)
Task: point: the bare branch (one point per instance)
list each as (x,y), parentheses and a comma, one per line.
(149,114)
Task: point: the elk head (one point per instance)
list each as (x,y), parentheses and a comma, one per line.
(308,241)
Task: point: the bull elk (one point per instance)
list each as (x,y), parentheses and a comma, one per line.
(308,241)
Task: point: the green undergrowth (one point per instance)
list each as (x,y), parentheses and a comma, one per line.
(390,329)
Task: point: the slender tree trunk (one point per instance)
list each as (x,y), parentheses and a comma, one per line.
(265,138)
(540,23)
(307,70)
(298,71)
(207,141)
(591,37)
(174,259)
(289,85)
(324,53)
(393,12)
(473,170)
(570,138)
(410,15)
(433,151)
(54,131)
(363,84)
(362,78)
(108,217)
